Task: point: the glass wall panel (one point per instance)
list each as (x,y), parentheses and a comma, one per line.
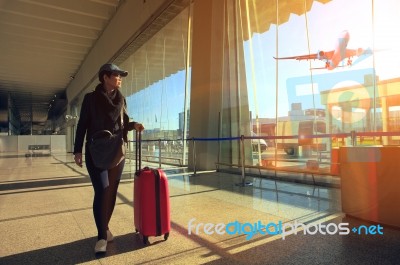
(314,75)
(157,90)
(252,80)
(387,66)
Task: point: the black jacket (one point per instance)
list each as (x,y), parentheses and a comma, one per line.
(91,121)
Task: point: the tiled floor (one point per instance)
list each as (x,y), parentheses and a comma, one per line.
(46,218)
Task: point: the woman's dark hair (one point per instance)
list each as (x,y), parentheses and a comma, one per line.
(101,75)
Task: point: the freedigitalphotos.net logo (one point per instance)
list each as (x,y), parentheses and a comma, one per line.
(280,228)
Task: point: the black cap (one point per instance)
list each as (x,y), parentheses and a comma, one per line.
(109,67)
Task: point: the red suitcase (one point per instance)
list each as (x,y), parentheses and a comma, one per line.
(151,200)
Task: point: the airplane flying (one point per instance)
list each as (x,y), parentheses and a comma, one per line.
(334,57)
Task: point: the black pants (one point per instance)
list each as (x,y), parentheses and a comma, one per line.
(105,184)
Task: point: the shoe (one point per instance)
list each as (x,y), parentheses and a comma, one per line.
(101,246)
(110,236)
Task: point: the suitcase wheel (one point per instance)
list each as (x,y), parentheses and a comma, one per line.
(146,240)
(166,236)
(136,230)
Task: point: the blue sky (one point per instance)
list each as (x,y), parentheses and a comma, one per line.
(159,105)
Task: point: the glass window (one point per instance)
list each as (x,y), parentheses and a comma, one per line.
(157,90)
(318,68)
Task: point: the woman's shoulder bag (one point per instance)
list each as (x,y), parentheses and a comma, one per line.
(107,149)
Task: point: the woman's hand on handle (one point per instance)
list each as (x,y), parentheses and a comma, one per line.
(139,127)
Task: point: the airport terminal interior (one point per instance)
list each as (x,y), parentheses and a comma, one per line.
(277,124)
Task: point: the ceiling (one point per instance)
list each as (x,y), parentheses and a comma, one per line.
(48,44)
(43,43)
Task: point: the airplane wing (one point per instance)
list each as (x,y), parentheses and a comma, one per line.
(320,56)
(300,57)
(358,52)
(351,53)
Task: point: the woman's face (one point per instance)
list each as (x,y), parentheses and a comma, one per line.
(113,81)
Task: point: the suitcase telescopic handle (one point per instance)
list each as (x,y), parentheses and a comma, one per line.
(138,150)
